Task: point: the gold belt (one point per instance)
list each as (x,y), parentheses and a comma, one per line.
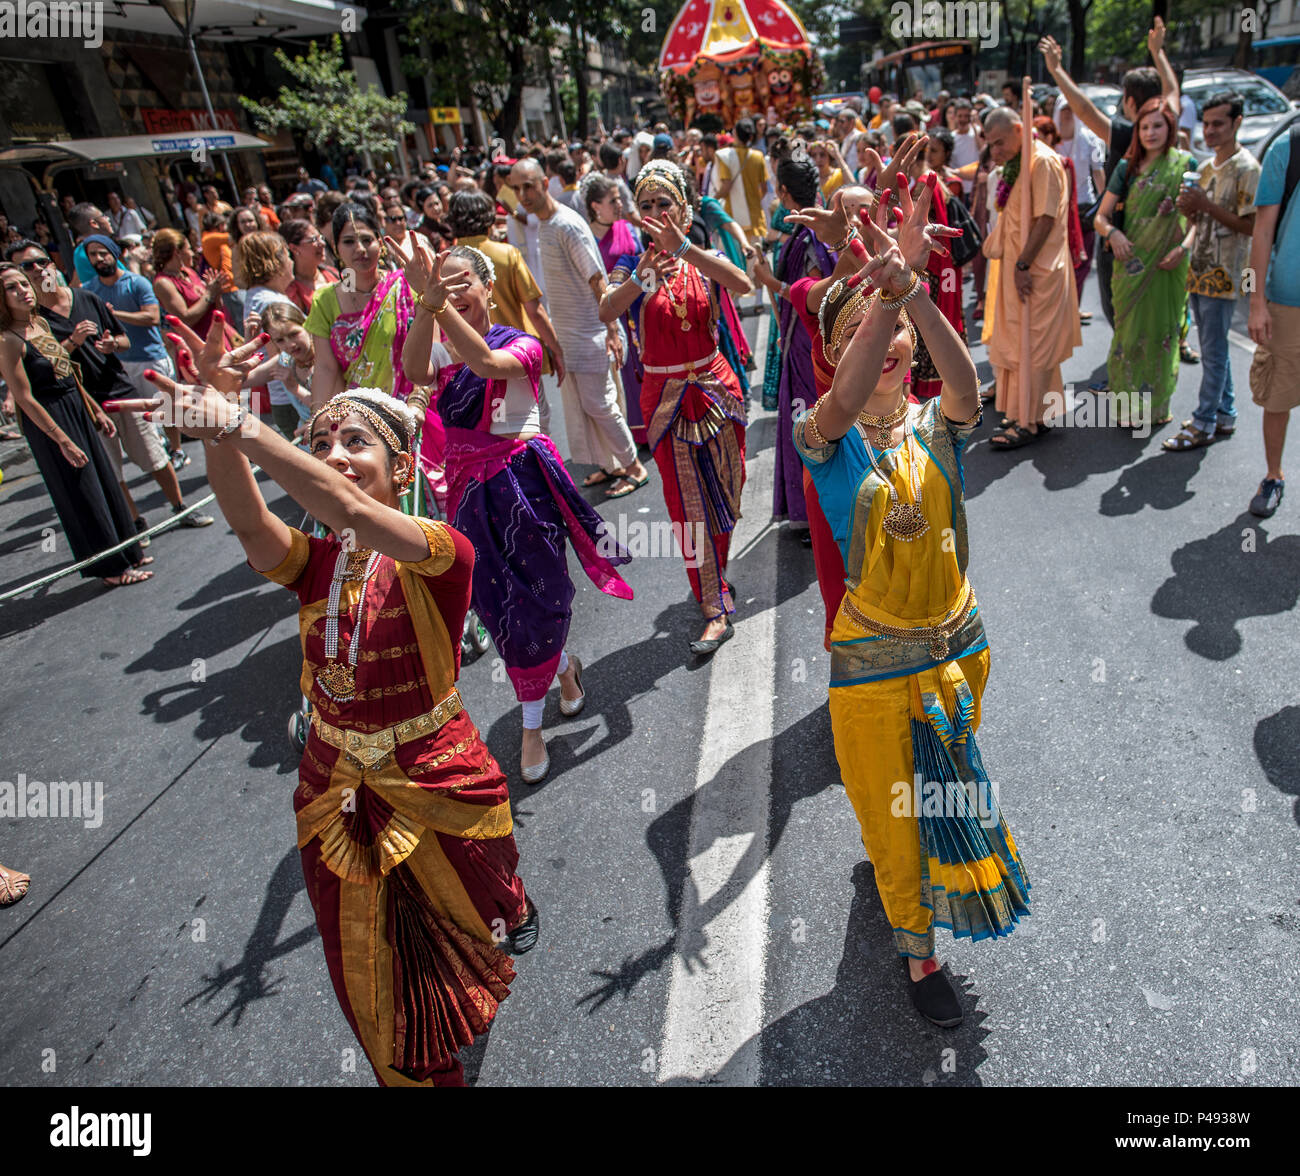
(692,367)
(371,748)
(936,636)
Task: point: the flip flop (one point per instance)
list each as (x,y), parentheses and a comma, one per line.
(632,486)
(10,435)
(599,478)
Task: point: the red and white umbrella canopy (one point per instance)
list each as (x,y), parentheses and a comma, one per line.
(723,29)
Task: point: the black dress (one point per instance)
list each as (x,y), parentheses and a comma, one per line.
(88,501)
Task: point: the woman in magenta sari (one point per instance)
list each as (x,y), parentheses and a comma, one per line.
(616,237)
(507,488)
(361,325)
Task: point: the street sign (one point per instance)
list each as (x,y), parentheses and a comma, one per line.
(444,114)
(210,142)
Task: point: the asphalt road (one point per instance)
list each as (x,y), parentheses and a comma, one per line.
(707,912)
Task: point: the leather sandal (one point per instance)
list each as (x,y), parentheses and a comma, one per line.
(13,886)
(1014,436)
(570,707)
(934,997)
(1188,437)
(600,477)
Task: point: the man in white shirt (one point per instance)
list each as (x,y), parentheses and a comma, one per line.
(966,142)
(844,127)
(126,222)
(575,282)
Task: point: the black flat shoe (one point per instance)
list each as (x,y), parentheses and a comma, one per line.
(524,937)
(934,998)
(711,645)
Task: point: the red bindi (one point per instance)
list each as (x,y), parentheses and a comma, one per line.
(334,428)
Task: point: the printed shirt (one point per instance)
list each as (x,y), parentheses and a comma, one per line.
(1220,256)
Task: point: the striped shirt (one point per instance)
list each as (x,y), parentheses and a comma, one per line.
(570,259)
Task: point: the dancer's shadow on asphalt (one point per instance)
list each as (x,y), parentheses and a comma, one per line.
(27,612)
(254,697)
(1160,482)
(615,682)
(1066,458)
(1277,740)
(796,775)
(865,1032)
(1219,581)
(248,974)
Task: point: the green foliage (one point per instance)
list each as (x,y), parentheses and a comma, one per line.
(327,108)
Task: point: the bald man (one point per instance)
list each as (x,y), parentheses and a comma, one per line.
(595,420)
(1033,276)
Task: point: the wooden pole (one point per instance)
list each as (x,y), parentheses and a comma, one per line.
(1025,417)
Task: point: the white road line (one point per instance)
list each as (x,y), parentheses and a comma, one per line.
(1245,342)
(715,1001)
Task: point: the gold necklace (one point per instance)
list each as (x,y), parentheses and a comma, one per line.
(903,520)
(884,425)
(679,308)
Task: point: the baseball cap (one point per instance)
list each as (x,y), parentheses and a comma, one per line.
(663,142)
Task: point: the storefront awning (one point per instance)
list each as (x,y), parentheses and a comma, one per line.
(116,147)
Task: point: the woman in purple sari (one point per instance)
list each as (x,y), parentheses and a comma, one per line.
(802,256)
(507,488)
(616,238)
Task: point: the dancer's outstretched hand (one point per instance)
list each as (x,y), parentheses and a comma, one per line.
(207,361)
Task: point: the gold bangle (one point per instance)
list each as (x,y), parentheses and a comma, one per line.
(899,299)
(811,431)
(421,301)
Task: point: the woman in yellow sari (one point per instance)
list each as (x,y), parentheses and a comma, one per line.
(908,655)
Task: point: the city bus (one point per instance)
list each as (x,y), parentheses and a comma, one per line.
(929,67)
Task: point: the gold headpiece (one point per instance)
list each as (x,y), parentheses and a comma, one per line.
(661,175)
(355,400)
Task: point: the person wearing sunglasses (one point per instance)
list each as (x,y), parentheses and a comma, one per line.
(310,273)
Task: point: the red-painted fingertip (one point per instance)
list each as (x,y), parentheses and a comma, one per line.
(171,318)
(264,338)
(218,317)
(150,374)
(855,281)
(902,180)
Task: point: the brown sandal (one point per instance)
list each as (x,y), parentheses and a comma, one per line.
(134,575)
(13,886)
(1188,437)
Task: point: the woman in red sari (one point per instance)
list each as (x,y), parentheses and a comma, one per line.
(691,400)
(943,279)
(403,814)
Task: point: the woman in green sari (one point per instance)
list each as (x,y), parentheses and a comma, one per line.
(1148,288)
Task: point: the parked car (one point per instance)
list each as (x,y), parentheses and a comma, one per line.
(1260,146)
(1266,105)
(1104,97)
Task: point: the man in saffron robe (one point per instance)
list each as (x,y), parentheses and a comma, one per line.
(1032,275)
